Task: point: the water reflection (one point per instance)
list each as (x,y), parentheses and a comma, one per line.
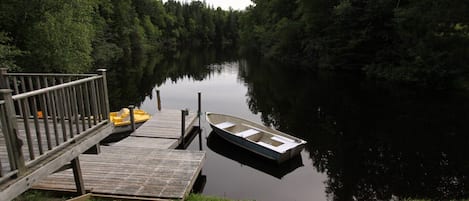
(374,142)
(245,157)
(132,79)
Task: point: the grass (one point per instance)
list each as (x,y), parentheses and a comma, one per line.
(35,195)
(198,197)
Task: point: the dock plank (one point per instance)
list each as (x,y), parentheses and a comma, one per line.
(166,124)
(133,171)
(144,142)
(143,165)
(162,131)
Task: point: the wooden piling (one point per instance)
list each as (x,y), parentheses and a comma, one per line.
(158,100)
(184,112)
(132,117)
(77,175)
(199,113)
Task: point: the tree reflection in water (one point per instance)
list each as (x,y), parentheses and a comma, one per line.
(131,79)
(375,142)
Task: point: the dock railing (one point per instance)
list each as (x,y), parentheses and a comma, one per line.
(44,114)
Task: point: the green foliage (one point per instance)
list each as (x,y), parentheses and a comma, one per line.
(72,36)
(61,40)
(198,197)
(431,50)
(55,35)
(36,195)
(8,52)
(423,42)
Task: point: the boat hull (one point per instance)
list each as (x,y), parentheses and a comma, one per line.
(257,148)
(245,157)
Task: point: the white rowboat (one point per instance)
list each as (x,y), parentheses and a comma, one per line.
(257,138)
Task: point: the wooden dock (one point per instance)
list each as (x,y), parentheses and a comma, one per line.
(162,131)
(143,165)
(134,172)
(47,121)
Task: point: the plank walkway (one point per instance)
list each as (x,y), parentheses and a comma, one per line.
(143,165)
(162,131)
(136,172)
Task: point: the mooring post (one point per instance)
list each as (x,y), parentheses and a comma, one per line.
(184,112)
(199,113)
(132,117)
(158,100)
(199,109)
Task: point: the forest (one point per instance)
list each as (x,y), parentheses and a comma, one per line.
(422,42)
(73,36)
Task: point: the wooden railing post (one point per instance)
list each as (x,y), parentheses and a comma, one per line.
(102,72)
(10,129)
(3,78)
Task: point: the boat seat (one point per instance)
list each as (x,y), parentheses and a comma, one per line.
(281,139)
(247,133)
(224,125)
(281,149)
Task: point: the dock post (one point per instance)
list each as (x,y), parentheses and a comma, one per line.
(78,176)
(158,100)
(199,113)
(184,112)
(132,117)
(199,109)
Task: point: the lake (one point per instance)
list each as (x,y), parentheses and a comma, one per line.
(367,140)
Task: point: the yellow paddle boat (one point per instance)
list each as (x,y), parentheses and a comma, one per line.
(122,117)
(122,127)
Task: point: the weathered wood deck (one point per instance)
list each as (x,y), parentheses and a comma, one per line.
(162,131)
(78,106)
(136,172)
(143,165)
(46,144)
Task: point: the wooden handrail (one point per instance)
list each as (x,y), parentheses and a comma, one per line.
(53,88)
(68,120)
(44,115)
(51,75)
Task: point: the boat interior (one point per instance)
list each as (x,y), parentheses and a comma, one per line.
(256,135)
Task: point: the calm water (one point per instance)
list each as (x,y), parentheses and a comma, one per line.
(366,140)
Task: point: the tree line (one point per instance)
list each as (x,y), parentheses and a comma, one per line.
(424,42)
(75,35)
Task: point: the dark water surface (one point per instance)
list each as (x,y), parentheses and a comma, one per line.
(366,140)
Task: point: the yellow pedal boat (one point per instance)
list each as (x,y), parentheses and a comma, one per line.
(121,121)
(122,117)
